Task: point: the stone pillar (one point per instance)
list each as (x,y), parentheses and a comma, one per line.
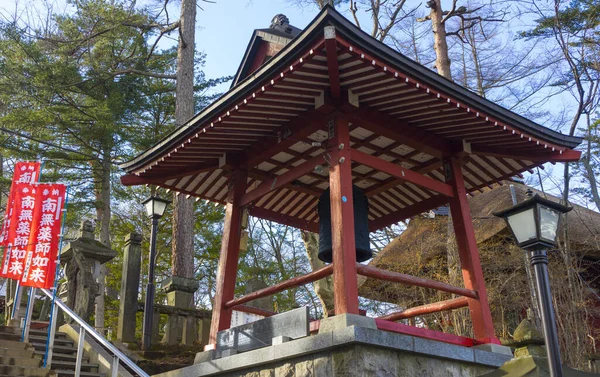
(203,331)
(130,284)
(155,327)
(180,294)
(190,330)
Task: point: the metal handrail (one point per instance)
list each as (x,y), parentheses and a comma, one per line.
(117,354)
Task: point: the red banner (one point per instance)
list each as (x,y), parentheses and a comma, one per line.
(26,172)
(42,249)
(19,231)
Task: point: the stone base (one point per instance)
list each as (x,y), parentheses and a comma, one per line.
(349,351)
(180,294)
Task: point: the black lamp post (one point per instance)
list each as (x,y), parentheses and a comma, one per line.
(534,224)
(155,208)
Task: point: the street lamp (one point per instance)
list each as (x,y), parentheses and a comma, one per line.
(155,208)
(534,224)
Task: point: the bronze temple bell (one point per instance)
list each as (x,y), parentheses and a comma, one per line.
(361,226)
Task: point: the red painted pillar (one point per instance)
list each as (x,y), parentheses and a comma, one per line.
(469,255)
(342,220)
(228,261)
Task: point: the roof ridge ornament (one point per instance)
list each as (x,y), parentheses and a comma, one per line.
(329,32)
(282,23)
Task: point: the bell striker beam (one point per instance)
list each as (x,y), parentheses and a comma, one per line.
(342,220)
(228,261)
(481,316)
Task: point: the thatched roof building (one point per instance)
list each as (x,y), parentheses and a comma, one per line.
(426,247)
(424,243)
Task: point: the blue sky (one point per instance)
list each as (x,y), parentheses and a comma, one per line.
(224,29)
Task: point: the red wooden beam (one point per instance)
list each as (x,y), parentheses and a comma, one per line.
(281,180)
(395,129)
(401,328)
(426,168)
(300,187)
(284,219)
(282,286)
(228,261)
(556,156)
(332,62)
(299,128)
(481,316)
(134,180)
(396,277)
(455,303)
(406,213)
(345,282)
(400,172)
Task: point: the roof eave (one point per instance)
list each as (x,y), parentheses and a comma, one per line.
(363,40)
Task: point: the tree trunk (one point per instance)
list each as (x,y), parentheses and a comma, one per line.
(442,60)
(183,208)
(323,287)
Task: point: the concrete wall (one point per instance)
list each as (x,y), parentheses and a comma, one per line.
(361,360)
(350,351)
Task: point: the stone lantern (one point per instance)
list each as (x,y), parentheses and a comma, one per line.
(82,259)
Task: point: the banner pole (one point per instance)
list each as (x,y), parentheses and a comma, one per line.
(54,307)
(28,314)
(16,302)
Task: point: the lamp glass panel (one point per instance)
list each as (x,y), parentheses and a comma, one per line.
(548,223)
(149,207)
(159,207)
(523,225)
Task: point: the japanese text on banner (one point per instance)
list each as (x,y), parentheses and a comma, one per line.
(19,231)
(26,173)
(42,249)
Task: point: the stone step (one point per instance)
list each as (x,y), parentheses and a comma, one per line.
(10,330)
(70,365)
(57,348)
(16,352)
(68,373)
(44,333)
(21,361)
(8,336)
(13,344)
(64,357)
(42,339)
(15,370)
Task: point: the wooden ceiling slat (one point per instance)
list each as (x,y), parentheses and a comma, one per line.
(295,210)
(397,196)
(214,177)
(398,90)
(433,108)
(287,199)
(373,86)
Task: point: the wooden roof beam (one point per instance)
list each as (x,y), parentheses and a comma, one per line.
(332,62)
(297,129)
(401,173)
(415,209)
(394,129)
(283,219)
(282,180)
(132,180)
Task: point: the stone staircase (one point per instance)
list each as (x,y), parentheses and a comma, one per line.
(28,357)
(18,358)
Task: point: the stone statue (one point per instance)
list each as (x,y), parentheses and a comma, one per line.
(81,286)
